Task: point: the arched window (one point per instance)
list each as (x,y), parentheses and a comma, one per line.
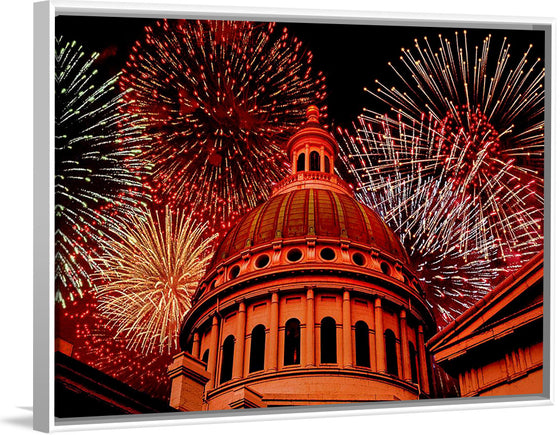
(413,364)
(362,344)
(227,359)
(301,162)
(314,161)
(327,164)
(328,340)
(256,359)
(205,357)
(391,352)
(291,342)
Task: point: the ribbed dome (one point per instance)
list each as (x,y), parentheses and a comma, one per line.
(311,212)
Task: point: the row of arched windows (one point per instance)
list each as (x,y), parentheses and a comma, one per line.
(292,346)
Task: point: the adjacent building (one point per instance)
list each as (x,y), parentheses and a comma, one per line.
(496,347)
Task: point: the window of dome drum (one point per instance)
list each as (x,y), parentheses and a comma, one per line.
(292,342)
(328,341)
(205,356)
(234,272)
(262,261)
(256,359)
(413,365)
(358,259)
(327,254)
(227,359)
(327,164)
(362,344)
(391,353)
(294,255)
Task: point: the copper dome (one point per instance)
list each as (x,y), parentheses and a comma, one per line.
(321,213)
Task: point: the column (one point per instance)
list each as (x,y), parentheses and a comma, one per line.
(310,330)
(213,354)
(272,363)
(196,345)
(322,163)
(405,350)
(307,157)
(346,330)
(422,361)
(380,363)
(240,342)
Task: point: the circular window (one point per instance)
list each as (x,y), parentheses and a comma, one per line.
(385,268)
(358,259)
(294,254)
(262,261)
(234,272)
(327,254)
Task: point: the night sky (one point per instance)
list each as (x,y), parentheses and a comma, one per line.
(351,56)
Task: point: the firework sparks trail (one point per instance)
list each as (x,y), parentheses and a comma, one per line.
(456,167)
(149,272)
(218,100)
(90,173)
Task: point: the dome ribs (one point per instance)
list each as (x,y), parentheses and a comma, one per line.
(340,216)
(311,212)
(371,240)
(295,225)
(279,223)
(255,223)
(326,221)
(356,228)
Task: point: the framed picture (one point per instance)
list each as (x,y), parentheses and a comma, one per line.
(257,214)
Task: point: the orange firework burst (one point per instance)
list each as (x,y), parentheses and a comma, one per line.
(150,269)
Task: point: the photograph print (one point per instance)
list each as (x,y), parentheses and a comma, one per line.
(262,214)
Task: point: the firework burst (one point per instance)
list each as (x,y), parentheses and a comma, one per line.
(218,99)
(149,272)
(90,174)
(456,168)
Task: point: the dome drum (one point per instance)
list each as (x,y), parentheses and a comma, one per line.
(239,314)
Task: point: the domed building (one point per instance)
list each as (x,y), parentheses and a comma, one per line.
(310,299)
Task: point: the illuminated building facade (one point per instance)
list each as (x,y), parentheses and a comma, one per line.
(496,347)
(310,299)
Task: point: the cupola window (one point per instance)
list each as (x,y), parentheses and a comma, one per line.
(301,163)
(327,164)
(314,161)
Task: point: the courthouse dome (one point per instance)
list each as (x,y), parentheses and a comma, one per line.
(311,212)
(310,299)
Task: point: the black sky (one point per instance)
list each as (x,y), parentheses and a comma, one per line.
(351,56)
